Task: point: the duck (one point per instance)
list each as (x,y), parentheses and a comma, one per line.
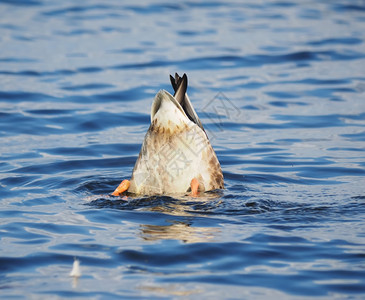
(176,156)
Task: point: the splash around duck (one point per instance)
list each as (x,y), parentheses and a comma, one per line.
(176,156)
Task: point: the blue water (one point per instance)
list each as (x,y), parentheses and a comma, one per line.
(280,89)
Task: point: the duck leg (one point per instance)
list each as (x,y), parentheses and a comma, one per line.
(194,184)
(122,187)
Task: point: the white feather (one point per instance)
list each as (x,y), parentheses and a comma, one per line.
(76,270)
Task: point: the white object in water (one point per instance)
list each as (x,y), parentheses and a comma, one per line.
(76,271)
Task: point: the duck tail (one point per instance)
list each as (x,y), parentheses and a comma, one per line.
(180,85)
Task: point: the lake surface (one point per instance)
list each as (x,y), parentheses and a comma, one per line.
(280,89)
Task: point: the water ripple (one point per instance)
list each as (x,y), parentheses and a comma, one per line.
(281,101)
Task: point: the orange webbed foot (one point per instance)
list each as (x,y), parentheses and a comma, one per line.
(124,185)
(194,184)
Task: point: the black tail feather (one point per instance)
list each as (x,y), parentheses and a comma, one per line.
(180,85)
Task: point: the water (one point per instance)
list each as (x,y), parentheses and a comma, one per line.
(279,86)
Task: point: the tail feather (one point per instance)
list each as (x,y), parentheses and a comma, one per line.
(180,85)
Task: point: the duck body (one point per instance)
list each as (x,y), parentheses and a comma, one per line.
(175,149)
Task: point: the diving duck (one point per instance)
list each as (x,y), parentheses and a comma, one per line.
(176,156)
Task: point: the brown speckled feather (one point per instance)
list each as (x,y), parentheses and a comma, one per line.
(175,149)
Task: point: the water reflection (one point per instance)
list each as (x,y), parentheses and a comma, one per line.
(182,213)
(179,231)
(170,289)
(183,229)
